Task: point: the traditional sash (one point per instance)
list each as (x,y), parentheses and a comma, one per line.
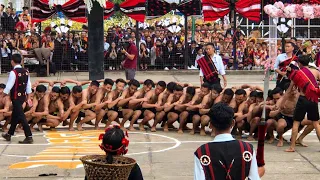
(283,66)
(208,68)
(305,80)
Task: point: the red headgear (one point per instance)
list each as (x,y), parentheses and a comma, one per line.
(122,150)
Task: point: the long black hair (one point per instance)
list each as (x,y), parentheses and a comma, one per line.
(114,142)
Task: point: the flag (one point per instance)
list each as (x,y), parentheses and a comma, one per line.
(249,9)
(214,9)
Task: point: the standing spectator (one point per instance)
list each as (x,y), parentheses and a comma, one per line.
(25,12)
(168,54)
(106,45)
(144,56)
(84,45)
(112,37)
(70,38)
(178,56)
(217,45)
(25,22)
(130,61)
(157,54)
(112,56)
(149,42)
(12,20)
(199,55)
(4,19)
(5,56)
(192,55)
(296,50)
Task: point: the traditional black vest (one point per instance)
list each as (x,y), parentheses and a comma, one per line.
(229,160)
(18,91)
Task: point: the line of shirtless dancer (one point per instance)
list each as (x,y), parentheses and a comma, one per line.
(172,105)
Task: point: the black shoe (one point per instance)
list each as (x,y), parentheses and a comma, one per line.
(6,136)
(27,140)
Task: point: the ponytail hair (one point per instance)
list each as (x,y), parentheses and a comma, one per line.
(114,142)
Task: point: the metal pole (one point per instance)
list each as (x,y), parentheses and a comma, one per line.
(186,55)
(137,38)
(193,28)
(235,62)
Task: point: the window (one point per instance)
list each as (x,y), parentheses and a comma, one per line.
(314,21)
(301,32)
(314,32)
(301,22)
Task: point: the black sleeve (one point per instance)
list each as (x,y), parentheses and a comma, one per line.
(136,173)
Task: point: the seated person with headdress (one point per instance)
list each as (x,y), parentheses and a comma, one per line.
(115,143)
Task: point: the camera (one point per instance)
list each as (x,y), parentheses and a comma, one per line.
(124,43)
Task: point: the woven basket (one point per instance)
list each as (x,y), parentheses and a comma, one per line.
(97,169)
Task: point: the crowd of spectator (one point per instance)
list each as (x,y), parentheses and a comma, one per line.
(159,48)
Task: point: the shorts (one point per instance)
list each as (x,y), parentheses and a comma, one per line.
(153,110)
(288,119)
(246,125)
(82,114)
(305,106)
(43,120)
(165,118)
(191,114)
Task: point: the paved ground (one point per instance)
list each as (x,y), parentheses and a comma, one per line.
(166,156)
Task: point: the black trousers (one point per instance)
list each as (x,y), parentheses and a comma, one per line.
(216,82)
(19,117)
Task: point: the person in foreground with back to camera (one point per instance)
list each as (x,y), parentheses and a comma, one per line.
(225,157)
(115,143)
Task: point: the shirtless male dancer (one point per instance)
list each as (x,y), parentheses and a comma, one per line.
(102,100)
(206,101)
(138,99)
(205,119)
(67,104)
(242,114)
(123,105)
(162,99)
(284,119)
(77,100)
(5,103)
(227,96)
(40,107)
(173,99)
(89,96)
(304,106)
(55,107)
(113,98)
(239,100)
(149,106)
